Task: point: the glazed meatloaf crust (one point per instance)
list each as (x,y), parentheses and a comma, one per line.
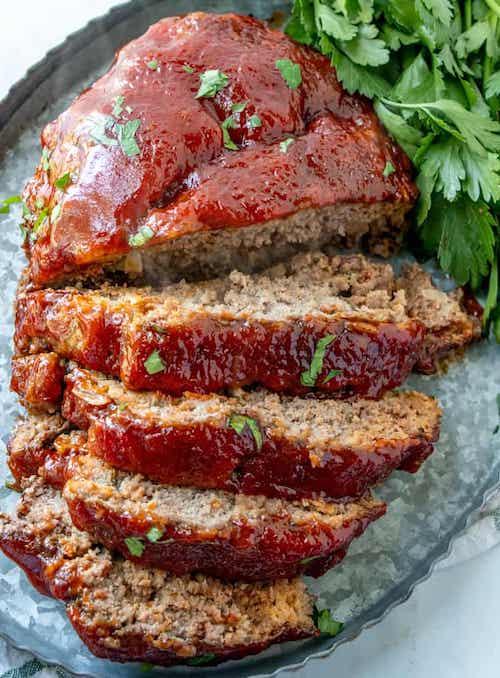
(199,186)
(256,443)
(125,612)
(337,325)
(184,529)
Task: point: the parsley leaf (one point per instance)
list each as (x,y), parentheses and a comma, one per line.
(290,72)
(334,24)
(118,107)
(226,137)
(239,107)
(126,137)
(325,623)
(240,421)
(45,159)
(306,561)
(154,535)
(152,65)
(142,236)
(366,49)
(285,144)
(154,363)
(310,376)
(98,130)
(135,546)
(493,85)
(7,202)
(388,169)
(254,121)
(211,82)
(63,181)
(187,68)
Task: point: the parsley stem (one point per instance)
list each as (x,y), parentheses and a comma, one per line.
(495,8)
(468,14)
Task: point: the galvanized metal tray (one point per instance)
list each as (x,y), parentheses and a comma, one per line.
(426,511)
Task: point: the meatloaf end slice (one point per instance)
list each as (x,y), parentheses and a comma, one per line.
(232,536)
(38,379)
(178,199)
(253,442)
(125,612)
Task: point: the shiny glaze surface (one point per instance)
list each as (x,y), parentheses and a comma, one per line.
(208,455)
(183,180)
(211,354)
(38,379)
(271,549)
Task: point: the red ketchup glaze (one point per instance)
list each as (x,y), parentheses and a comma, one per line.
(38,379)
(273,550)
(184,180)
(211,354)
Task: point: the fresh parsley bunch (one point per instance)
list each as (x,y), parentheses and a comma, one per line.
(433,70)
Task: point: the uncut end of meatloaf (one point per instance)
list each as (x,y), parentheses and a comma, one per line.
(125,612)
(30,442)
(304,448)
(232,536)
(38,379)
(182,201)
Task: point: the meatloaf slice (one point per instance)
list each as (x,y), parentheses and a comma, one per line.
(38,379)
(125,612)
(253,442)
(361,327)
(232,536)
(157,173)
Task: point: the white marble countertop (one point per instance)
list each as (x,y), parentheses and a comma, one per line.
(449,627)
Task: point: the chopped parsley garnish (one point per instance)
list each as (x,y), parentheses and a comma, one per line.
(239,107)
(56,211)
(98,131)
(152,65)
(63,181)
(290,72)
(388,169)
(154,535)
(200,661)
(331,374)
(154,363)
(140,238)
(129,109)
(39,222)
(254,121)
(240,421)
(187,68)
(145,667)
(228,142)
(211,82)
(126,137)
(39,203)
(45,159)
(310,376)
(285,144)
(135,546)
(122,406)
(306,561)
(118,107)
(7,202)
(325,623)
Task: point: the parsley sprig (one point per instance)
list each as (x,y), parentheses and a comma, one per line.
(433,70)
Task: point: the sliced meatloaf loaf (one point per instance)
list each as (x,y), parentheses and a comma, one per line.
(232,536)
(186,529)
(339,325)
(125,612)
(211,159)
(256,442)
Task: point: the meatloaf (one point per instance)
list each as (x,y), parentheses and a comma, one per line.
(337,325)
(125,612)
(197,153)
(253,442)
